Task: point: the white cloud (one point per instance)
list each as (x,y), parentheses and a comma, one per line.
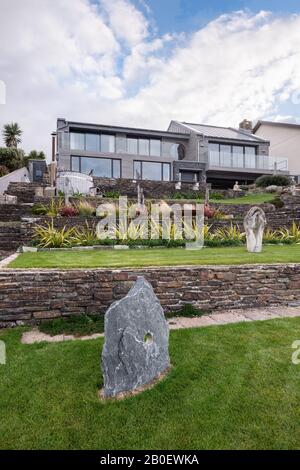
(126,21)
(101,62)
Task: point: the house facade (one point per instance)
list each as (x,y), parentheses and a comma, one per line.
(185,151)
(284,139)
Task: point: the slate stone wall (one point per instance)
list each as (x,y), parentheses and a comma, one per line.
(31,296)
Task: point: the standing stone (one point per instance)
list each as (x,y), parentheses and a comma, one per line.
(254,223)
(136,341)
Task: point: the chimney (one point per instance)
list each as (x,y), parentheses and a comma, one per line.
(246,126)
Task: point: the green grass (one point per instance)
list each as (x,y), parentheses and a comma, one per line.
(230,387)
(156,257)
(80,325)
(259,198)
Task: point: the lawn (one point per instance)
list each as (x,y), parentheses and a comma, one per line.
(230,387)
(259,198)
(156,257)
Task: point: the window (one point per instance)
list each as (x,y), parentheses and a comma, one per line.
(132,146)
(144,146)
(155,171)
(155,145)
(92,142)
(137,146)
(236,156)
(77,141)
(174,151)
(250,157)
(102,167)
(116,168)
(151,171)
(137,170)
(75,164)
(166,172)
(107,143)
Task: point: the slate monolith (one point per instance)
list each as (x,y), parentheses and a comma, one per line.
(136,341)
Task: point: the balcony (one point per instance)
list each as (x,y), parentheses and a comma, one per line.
(250,162)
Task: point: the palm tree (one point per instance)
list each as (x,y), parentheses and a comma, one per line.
(12,134)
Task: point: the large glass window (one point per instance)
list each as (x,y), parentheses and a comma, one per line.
(214,154)
(155,147)
(132,146)
(75,163)
(137,146)
(250,157)
(144,146)
(92,142)
(166,172)
(151,171)
(116,168)
(107,143)
(137,170)
(98,166)
(174,151)
(155,171)
(77,141)
(236,156)
(103,167)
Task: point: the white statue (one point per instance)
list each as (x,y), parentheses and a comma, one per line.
(293,186)
(178,183)
(254,223)
(236,187)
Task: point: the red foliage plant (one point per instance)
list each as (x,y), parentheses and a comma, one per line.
(208,211)
(68,211)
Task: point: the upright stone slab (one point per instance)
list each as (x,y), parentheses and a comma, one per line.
(136,341)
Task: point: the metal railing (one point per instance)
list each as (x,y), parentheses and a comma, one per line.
(255,162)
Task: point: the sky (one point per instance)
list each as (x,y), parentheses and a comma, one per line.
(142,63)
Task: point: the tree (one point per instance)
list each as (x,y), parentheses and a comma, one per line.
(12,134)
(12,158)
(35,155)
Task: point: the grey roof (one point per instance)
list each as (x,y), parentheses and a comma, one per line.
(293,125)
(220,132)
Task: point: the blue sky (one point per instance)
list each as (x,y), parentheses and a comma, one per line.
(189,15)
(145,62)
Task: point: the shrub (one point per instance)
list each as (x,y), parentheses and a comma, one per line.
(11,158)
(271,180)
(85,209)
(277,202)
(3,170)
(46,236)
(85,235)
(217,196)
(112,194)
(68,211)
(39,209)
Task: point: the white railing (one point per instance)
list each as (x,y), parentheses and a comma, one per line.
(256,162)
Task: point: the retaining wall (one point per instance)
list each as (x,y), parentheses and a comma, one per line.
(33,295)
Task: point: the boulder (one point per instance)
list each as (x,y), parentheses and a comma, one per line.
(136,341)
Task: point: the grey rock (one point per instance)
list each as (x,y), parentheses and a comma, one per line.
(136,341)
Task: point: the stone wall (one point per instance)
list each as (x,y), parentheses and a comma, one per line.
(33,295)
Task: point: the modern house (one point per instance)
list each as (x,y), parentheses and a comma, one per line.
(284,139)
(186,151)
